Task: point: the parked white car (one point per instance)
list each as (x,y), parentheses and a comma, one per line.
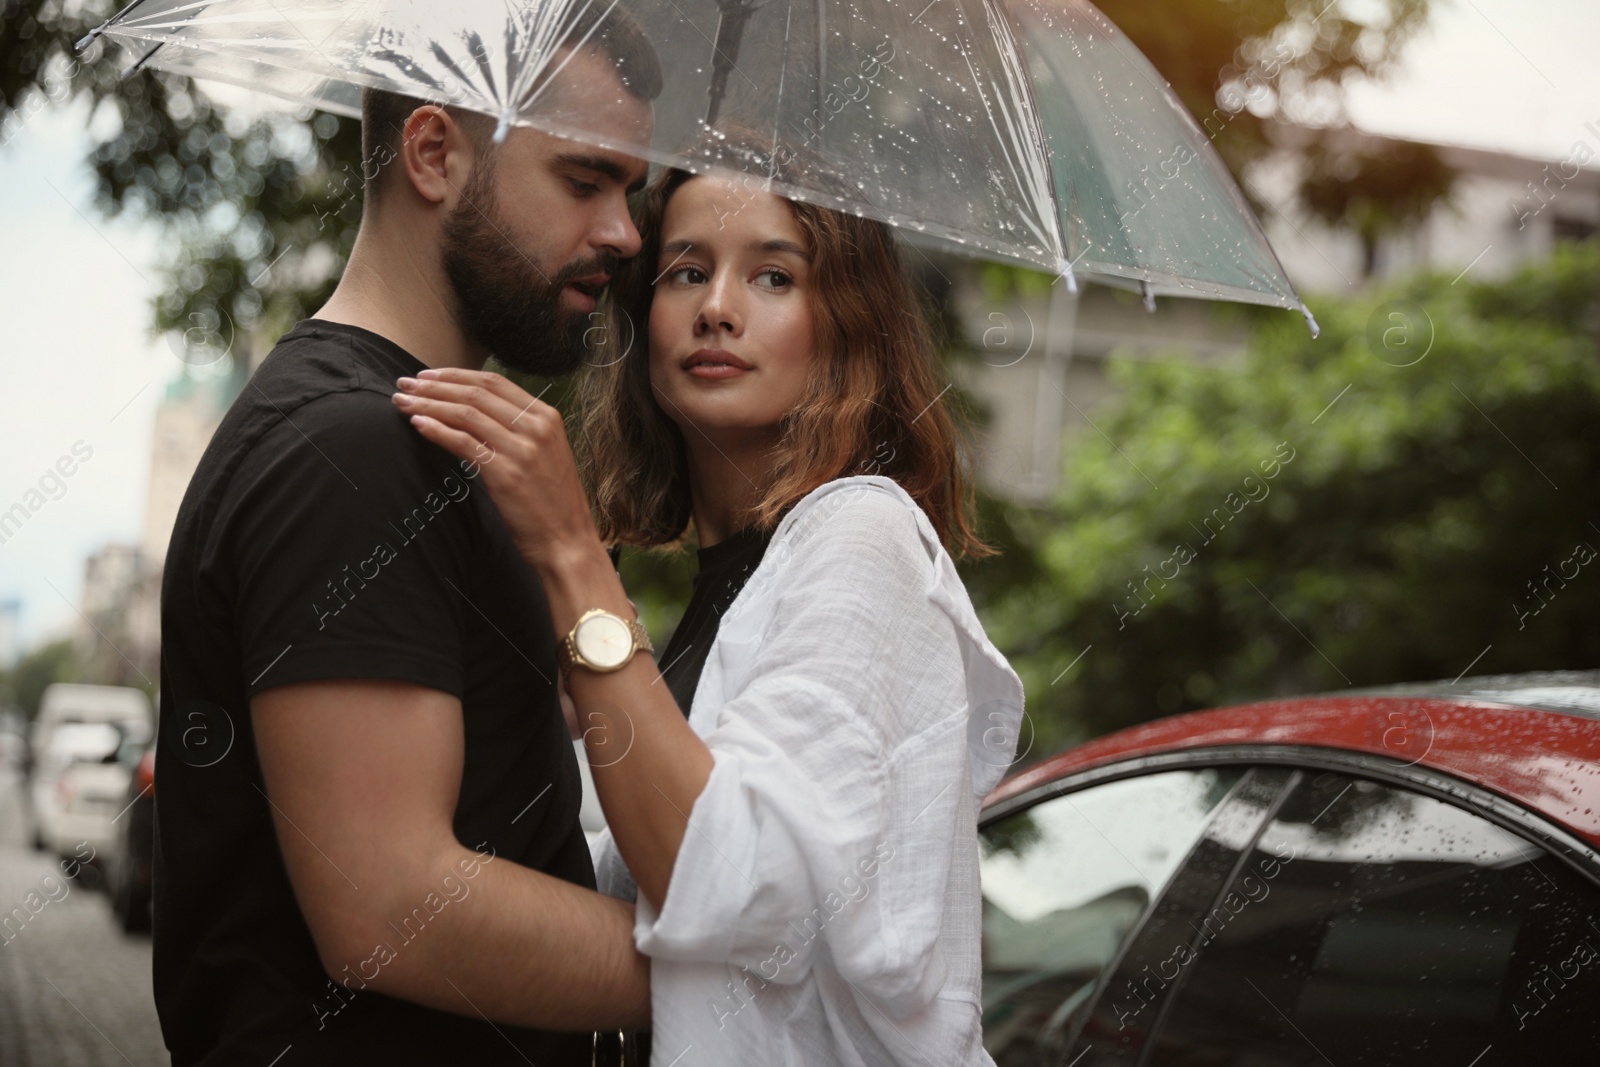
(78,784)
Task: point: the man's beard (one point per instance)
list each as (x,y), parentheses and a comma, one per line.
(505,303)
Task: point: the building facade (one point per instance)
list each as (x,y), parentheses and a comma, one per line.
(1038,365)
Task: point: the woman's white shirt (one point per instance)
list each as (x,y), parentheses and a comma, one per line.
(824,907)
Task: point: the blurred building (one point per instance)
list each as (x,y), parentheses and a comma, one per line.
(1503,211)
(185,421)
(1038,365)
(119,641)
(10,616)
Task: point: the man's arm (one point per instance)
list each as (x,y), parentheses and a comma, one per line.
(363,778)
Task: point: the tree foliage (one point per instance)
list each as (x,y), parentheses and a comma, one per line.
(1375,192)
(1237,64)
(1380,505)
(24,684)
(264,210)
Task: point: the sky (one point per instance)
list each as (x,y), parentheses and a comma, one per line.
(1510,75)
(75,289)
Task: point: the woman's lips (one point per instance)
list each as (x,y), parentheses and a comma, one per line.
(715,363)
(716,370)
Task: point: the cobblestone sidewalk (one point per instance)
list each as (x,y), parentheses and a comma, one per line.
(74,990)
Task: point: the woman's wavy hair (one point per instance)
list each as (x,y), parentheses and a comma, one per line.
(873,404)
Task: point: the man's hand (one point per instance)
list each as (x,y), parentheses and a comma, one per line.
(363,777)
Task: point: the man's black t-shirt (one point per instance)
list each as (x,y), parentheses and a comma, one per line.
(323,537)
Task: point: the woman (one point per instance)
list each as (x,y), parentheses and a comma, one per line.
(804,846)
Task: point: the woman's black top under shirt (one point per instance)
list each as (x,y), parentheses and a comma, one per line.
(724,568)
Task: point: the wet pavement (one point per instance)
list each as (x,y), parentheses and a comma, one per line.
(74,989)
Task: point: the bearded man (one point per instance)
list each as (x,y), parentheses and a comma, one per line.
(367,836)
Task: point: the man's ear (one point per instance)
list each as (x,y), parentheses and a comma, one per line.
(435,155)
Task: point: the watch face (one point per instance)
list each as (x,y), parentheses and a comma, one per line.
(604,641)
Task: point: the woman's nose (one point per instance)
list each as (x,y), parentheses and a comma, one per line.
(720,308)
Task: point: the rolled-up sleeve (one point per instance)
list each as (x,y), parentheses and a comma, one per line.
(611,874)
(837,770)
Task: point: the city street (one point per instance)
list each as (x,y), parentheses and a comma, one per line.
(74,990)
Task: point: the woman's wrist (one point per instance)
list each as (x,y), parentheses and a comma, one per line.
(580,579)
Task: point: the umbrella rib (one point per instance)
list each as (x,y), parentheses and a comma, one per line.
(390,56)
(168,13)
(544,48)
(139,63)
(443,57)
(712,43)
(1029,184)
(480,55)
(166,21)
(783,71)
(1044,183)
(89,37)
(930,67)
(988,112)
(518,96)
(822,51)
(166,24)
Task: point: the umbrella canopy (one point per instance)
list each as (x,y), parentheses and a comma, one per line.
(1022,131)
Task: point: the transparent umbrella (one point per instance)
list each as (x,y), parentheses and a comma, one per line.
(1022,131)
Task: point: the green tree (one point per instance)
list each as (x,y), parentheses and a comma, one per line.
(1236,64)
(1381,505)
(263,212)
(25,683)
(1375,192)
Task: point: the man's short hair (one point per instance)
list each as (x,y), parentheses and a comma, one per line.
(615,34)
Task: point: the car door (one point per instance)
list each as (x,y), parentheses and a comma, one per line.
(1071,878)
(1365,921)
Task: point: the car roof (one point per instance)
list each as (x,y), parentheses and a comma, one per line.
(1534,739)
(80,702)
(1573,692)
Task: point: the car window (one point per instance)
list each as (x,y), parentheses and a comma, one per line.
(1064,882)
(1373,925)
(1115,1028)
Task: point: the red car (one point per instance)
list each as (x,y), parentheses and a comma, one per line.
(1408,876)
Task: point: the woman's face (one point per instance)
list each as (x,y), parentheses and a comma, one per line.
(731,333)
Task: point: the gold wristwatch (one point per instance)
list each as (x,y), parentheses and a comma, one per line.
(602,642)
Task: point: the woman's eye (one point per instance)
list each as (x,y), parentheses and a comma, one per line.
(682,274)
(583,188)
(780,278)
